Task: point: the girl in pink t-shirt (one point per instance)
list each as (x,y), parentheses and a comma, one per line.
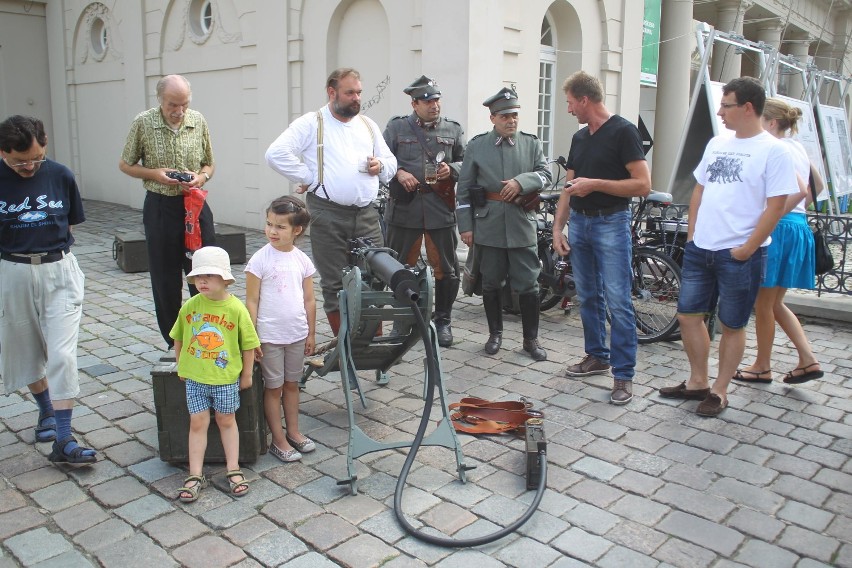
(280,299)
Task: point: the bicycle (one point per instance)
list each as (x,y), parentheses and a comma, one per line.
(380,204)
(555,279)
(666,231)
(656,277)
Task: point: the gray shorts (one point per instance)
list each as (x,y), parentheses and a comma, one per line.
(282,363)
(37,302)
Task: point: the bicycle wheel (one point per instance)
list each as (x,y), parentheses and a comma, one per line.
(655,291)
(547,259)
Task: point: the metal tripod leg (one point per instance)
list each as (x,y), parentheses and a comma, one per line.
(444,434)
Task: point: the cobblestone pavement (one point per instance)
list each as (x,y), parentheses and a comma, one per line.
(647,484)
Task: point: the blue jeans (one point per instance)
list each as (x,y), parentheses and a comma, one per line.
(600,256)
(710,276)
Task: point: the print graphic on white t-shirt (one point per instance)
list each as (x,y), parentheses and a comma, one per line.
(725,170)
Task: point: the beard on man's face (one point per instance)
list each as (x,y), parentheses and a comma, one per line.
(347,111)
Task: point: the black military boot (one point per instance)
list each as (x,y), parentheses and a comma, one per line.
(529,320)
(445,294)
(493,304)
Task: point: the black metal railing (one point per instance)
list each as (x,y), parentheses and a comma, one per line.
(837,230)
(665,226)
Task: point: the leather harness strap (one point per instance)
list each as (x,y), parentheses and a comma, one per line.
(479,416)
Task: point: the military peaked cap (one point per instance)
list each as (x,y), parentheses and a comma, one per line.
(423,89)
(504,102)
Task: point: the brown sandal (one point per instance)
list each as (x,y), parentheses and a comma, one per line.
(756,376)
(792,378)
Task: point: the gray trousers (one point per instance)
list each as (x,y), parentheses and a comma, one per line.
(332,227)
(519,265)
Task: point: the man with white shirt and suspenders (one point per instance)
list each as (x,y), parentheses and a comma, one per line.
(336,154)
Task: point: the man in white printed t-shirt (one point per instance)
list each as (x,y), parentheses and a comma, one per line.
(342,178)
(742,184)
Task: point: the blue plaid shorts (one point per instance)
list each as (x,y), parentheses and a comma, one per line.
(224,399)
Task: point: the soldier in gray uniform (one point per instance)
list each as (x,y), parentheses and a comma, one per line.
(502,169)
(419,207)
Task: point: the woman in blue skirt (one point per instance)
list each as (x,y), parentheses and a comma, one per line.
(789,263)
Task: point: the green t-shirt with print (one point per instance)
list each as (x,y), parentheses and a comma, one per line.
(214,335)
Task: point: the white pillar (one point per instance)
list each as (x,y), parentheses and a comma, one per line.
(770,34)
(672,88)
(726,62)
(797,46)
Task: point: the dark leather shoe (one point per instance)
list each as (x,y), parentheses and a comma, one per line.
(492,346)
(445,334)
(534,348)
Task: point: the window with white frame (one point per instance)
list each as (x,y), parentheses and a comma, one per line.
(201,17)
(546,70)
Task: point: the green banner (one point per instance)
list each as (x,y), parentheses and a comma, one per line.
(650,43)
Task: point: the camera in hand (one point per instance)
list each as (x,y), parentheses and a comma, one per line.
(183,177)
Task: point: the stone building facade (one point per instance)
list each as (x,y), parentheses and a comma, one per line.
(87,68)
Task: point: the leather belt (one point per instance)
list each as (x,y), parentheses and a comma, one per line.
(602,212)
(34,258)
(490,195)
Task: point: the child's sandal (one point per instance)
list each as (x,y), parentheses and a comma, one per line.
(235,485)
(200,483)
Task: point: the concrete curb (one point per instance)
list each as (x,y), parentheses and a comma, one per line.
(837,307)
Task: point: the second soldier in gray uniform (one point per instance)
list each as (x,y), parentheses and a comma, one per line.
(500,167)
(418,209)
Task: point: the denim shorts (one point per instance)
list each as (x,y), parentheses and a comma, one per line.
(715,276)
(224,399)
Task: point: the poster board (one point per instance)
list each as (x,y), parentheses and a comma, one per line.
(650,43)
(704,124)
(808,136)
(834,130)
(714,90)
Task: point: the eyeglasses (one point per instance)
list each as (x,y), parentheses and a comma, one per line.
(730,105)
(25,164)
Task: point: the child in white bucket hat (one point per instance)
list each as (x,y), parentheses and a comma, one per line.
(214,348)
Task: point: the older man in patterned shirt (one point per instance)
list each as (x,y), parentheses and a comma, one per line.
(169,139)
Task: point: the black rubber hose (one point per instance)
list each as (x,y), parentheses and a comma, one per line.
(431,381)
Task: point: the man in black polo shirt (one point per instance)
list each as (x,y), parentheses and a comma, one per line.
(606,168)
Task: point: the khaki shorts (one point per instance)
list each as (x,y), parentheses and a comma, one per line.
(282,363)
(38,302)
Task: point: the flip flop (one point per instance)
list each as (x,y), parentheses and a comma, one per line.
(45,430)
(792,379)
(755,376)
